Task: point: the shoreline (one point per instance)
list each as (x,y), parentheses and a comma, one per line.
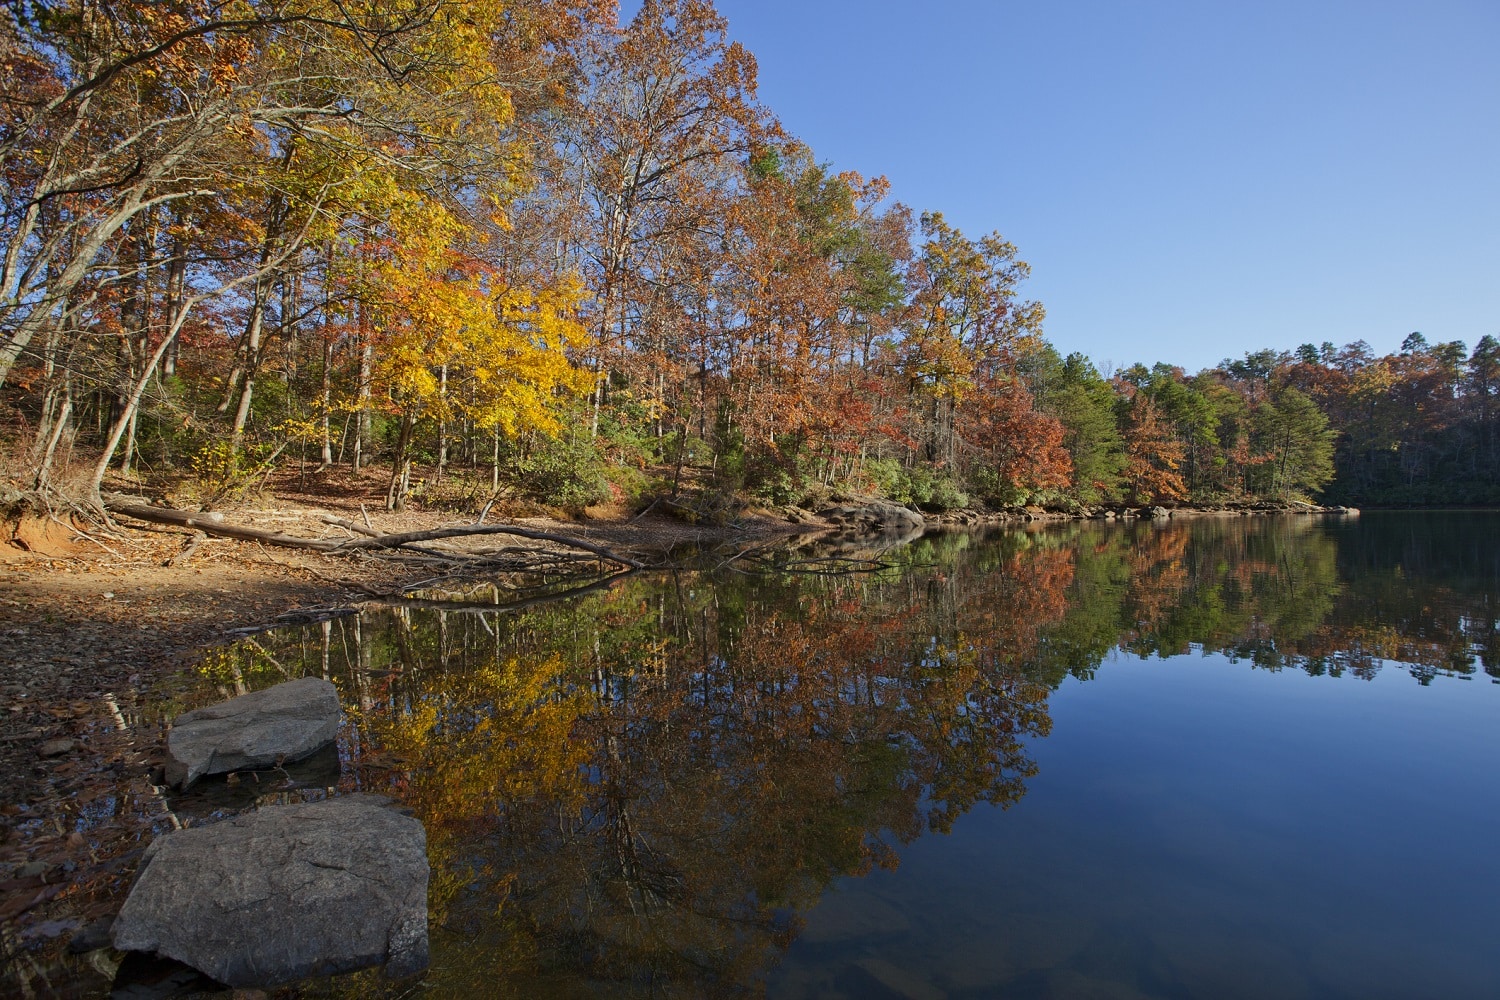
(84,617)
(1122,513)
(97,629)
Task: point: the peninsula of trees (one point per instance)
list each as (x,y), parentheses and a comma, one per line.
(515,248)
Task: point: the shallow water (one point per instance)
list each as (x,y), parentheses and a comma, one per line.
(1213,758)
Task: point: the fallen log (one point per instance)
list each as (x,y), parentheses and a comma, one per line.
(360,529)
(347,525)
(463,531)
(181,558)
(213,524)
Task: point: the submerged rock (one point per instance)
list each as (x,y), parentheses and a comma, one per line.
(285,893)
(261,729)
(308,779)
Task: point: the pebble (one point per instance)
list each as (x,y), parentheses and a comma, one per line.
(55,748)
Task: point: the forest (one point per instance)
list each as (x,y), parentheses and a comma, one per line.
(478,250)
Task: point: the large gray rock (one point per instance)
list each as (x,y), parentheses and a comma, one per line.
(285,893)
(877,518)
(261,729)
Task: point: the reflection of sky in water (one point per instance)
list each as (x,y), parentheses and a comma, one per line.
(1198,829)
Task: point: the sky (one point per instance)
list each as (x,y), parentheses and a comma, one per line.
(1189,181)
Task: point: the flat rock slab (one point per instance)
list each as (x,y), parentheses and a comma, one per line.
(285,893)
(261,729)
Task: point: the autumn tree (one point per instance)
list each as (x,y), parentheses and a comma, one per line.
(964,324)
(1153,455)
(145,109)
(813,270)
(439,313)
(668,114)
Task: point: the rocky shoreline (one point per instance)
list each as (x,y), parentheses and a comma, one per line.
(876,515)
(1121,512)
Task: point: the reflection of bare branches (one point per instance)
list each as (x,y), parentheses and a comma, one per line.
(491,606)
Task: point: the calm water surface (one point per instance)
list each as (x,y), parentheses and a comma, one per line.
(1216,758)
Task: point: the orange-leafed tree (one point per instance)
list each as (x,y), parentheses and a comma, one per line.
(1153,455)
(1015,451)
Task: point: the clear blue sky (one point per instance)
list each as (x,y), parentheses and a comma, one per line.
(1188,180)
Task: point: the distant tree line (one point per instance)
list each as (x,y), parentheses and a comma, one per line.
(1413,427)
(514,248)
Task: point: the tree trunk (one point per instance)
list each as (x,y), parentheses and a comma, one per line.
(327,402)
(395,494)
(442,461)
(212,524)
(59,427)
(362,425)
(495,465)
(135,413)
(250,363)
(131,405)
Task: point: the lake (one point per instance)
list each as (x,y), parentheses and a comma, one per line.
(1212,757)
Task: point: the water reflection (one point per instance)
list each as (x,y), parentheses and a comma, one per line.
(645,789)
(649,785)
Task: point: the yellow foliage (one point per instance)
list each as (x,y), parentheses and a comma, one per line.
(435,306)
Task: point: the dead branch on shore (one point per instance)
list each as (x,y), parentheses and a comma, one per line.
(191,546)
(348,525)
(464,531)
(402,545)
(213,524)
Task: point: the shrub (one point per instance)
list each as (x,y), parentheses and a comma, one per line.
(919,486)
(994,489)
(222,472)
(886,477)
(776,487)
(946,495)
(563,472)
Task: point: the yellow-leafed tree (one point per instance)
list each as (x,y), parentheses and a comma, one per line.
(439,315)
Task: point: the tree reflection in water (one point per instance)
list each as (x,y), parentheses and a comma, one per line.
(641,790)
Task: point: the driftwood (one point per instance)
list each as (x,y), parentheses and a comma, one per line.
(464,531)
(187,550)
(366,530)
(347,525)
(213,524)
